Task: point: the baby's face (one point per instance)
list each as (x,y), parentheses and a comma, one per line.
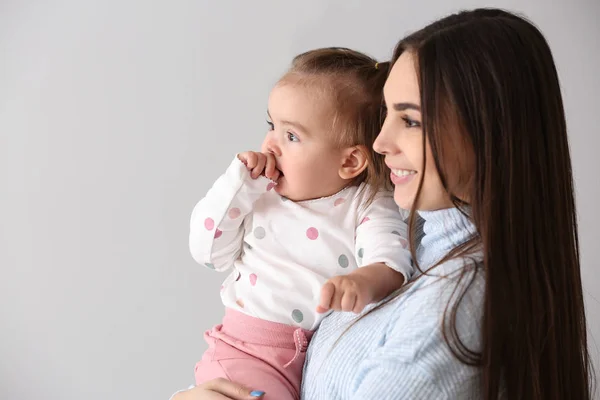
(300,137)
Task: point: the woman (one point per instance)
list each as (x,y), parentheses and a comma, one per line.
(476,138)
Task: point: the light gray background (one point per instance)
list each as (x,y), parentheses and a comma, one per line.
(116,116)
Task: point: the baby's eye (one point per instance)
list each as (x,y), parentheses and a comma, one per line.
(292,137)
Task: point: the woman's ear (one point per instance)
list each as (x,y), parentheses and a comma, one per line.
(355,161)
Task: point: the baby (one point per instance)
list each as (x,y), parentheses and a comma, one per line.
(307,224)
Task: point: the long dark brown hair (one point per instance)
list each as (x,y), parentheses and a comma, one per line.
(487,79)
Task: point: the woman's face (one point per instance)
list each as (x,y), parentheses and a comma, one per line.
(401,141)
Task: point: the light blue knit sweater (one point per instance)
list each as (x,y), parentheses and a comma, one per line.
(398,351)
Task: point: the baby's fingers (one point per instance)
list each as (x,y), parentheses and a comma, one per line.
(327,293)
(348,301)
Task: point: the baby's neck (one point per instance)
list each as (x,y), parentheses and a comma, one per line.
(328,195)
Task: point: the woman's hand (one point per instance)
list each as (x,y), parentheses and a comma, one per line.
(219,389)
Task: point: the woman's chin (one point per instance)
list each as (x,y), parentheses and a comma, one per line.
(403,200)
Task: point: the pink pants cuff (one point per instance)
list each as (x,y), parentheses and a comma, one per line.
(260,354)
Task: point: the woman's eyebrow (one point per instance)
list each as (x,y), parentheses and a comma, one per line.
(406,106)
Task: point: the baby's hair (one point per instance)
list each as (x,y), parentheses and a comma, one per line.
(353,82)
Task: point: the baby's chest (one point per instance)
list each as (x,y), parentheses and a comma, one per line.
(315,239)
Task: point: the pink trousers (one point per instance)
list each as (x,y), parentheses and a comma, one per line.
(260,354)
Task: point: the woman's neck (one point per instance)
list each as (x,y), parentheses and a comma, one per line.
(443,230)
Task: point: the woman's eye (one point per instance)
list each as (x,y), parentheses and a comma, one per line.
(292,138)
(271,126)
(411,123)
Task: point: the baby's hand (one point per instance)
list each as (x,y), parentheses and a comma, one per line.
(351,292)
(260,164)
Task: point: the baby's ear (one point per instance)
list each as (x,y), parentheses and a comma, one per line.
(355,160)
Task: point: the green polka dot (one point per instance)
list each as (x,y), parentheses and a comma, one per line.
(343,261)
(361,252)
(259,232)
(396,233)
(297,316)
(248,246)
(209,265)
(283,198)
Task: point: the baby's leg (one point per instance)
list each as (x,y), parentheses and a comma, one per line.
(224,360)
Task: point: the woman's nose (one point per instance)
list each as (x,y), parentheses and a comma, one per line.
(381,144)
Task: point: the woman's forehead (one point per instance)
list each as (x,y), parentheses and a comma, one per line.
(402,85)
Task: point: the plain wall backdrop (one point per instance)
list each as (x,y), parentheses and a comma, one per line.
(115,119)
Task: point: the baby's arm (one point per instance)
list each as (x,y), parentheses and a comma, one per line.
(353,292)
(216,226)
(381,250)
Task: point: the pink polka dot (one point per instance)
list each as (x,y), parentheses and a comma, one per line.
(234,213)
(222,287)
(404,242)
(209,224)
(312,233)
(218,233)
(253,278)
(365,219)
(270,186)
(339,201)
